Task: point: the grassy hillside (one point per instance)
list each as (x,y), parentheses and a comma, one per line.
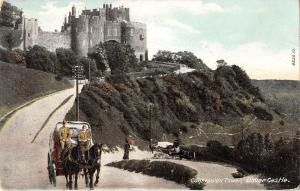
(282,95)
(197,107)
(19,85)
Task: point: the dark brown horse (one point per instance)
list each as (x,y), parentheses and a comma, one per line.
(73,160)
(93,158)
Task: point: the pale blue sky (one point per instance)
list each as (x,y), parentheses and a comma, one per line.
(258,35)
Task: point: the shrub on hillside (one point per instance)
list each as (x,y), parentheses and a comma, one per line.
(182,57)
(90,68)
(164,169)
(66,59)
(6,56)
(244,81)
(40,58)
(262,114)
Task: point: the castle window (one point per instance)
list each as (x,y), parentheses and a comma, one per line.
(91,42)
(115,32)
(131,32)
(108,31)
(142,37)
(91,29)
(83,42)
(28,34)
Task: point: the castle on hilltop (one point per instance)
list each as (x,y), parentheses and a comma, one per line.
(91,27)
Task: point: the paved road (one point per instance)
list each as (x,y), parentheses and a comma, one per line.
(23,164)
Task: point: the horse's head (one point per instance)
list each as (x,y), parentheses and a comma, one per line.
(97,151)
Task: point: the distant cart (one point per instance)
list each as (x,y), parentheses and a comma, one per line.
(55,167)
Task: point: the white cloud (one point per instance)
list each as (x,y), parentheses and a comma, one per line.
(258,61)
(180,25)
(154,9)
(51,16)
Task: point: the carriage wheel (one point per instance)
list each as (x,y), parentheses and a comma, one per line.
(51,171)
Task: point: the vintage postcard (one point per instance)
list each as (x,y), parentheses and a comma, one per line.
(149,94)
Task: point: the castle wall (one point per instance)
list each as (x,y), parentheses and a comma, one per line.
(80,35)
(31,32)
(112,31)
(96,30)
(135,34)
(54,40)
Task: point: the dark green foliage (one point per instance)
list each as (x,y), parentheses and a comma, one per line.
(40,58)
(6,56)
(98,54)
(164,56)
(243,80)
(11,39)
(66,59)
(19,85)
(89,64)
(181,57)
(164,169)
(120,57)
(177,99)
(262,114)
(7,15)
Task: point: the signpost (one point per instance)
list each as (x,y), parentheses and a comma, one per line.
(77,75)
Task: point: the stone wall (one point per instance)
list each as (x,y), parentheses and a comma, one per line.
(136,36)
(54,40)
(112,31)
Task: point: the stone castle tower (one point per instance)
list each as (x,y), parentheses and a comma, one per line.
(91,27)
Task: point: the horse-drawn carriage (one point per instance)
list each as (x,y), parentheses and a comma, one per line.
(55,154)
(169,150)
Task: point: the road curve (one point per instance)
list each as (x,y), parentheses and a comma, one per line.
(23,165)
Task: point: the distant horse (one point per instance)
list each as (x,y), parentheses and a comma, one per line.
(93,158)
(71,162)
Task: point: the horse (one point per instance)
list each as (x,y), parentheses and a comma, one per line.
(93,158)
(72,159)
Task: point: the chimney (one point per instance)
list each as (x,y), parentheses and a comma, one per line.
(103,5)
(65,19)
(110,6)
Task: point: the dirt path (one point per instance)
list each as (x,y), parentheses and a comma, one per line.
(23,164)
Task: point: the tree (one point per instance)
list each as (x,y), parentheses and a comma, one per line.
(89,64)
(40,58)
(121,58)
(98,54)
(7,15)
(164,56)
(66,60)
(189,59)
(11,39)
(221,63)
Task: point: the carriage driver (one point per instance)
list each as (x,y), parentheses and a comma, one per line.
(64,136)
(84,137)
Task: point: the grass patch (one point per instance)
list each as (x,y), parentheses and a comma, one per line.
(163,169)
(51,114)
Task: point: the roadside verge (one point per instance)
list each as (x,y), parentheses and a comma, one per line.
(164,169)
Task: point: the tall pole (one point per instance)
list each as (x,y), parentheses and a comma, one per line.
(89,72)
(78,75)
(77,98)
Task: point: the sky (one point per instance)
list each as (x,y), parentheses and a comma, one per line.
(261,36)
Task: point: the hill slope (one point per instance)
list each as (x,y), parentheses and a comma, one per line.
(19,85)
(196,106)
(282,95)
